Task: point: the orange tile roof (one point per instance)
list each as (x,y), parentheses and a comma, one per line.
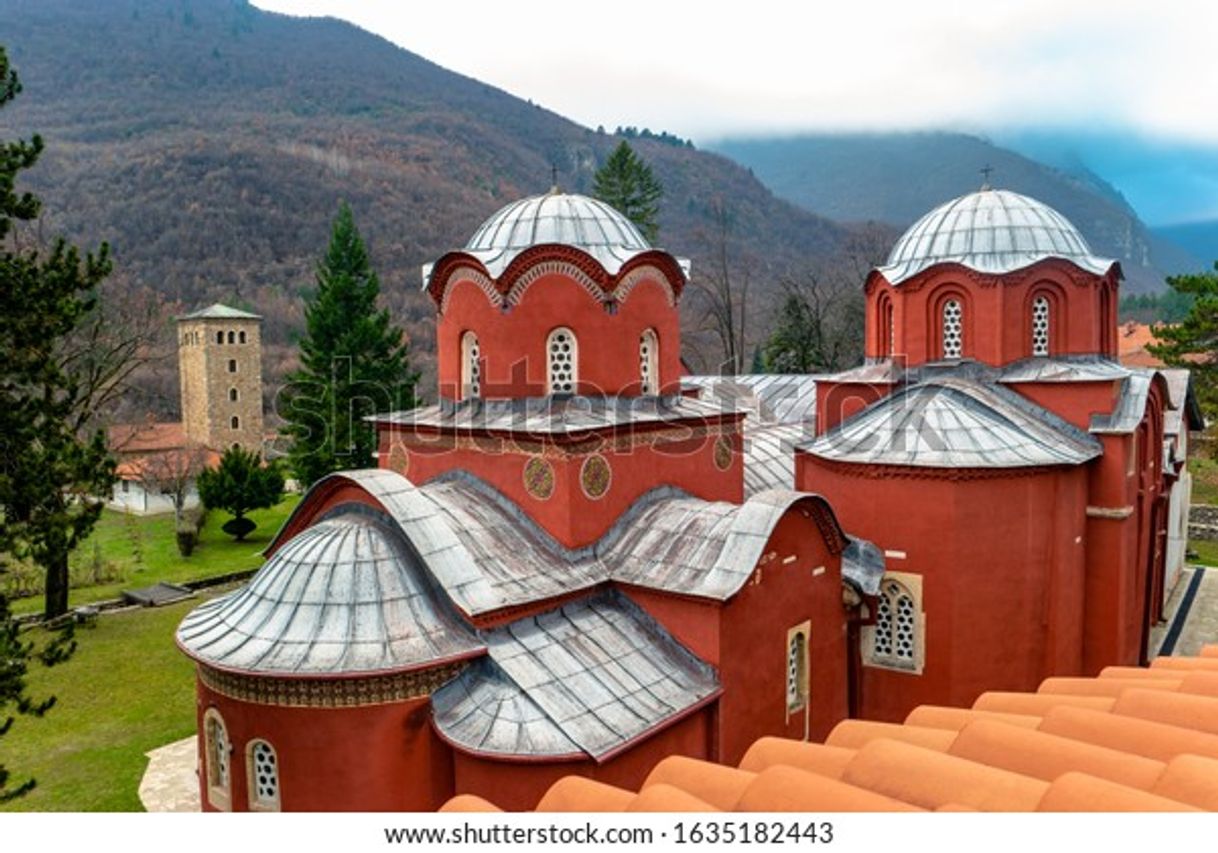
(1128,740)
(143,437)
(1132,339)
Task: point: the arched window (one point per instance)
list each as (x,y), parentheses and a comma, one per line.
(471,369)
(562,354)
(240,337)
(886,331)
(262,767)
(219,337)
(896,640)
(235,422)
(649,362)
(1040,325)
(232,365)
(217,757)
(232,395)
(953,329)
(232,337)
(797,668)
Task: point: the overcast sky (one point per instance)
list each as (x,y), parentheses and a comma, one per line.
(701,71)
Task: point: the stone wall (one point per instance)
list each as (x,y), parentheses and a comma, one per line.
(1203,522)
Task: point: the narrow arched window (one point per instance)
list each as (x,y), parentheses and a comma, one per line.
(562,355)
(262,767)
(896,627)
(240,337)
(797,669)
(217,753)
(649,362)
(232,365)
(953,329)
(232,395)
(232,337)
(219,337)
(1040,325)
(471,369)
(235,422)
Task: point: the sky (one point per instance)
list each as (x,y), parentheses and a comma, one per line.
(1143,71)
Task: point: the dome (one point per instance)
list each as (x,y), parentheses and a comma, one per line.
(990,231)
(557,217)
(343,597)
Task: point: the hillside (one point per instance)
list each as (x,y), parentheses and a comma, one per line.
(897,177)
(1198,238)
(210,143)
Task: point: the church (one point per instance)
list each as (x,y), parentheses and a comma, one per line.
(580,561)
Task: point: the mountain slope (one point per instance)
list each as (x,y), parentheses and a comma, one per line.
(211,142)
(895,178)
(1200,239)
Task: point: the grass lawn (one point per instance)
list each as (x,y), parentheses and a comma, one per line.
(1207,551)
(144,550)
(1205,479)
(127,690)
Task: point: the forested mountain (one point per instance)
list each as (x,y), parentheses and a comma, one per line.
(896,177)
(210,143)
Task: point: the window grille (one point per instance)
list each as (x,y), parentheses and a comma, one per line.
(649,359)
(953,329)
(471,370)
(797,671)
(1040,325)
(264,777)
(563,374)
(896,626)
(218,750)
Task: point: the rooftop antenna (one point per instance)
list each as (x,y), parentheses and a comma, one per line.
(986,171)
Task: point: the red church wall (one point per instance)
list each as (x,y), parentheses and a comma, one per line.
(1075,402)
(693,622)
(782,594)
(683,455)
(513,345)
(517,786)
(836,401)
(370,758)
(997,312)
(1001,563)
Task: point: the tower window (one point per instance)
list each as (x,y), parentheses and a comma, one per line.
(240,337)
(1040,325)
(797,667)
(953,329)
(232,338)
(232,365)
(235,422)
(649,360)
(471,370)
(562,376)
(217,752)
(896,638)
(263,767)
(219,337)
(232,395)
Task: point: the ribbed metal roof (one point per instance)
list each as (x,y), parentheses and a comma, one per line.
(1063,369)
(1131,405)
(990,231)
(488,555)
(343,597)
(955,422)
(863,565)
(769,398)
(556,217)
(589,677)
(219,312)
(769,455)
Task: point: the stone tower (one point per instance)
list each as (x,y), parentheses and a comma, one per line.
(220,365)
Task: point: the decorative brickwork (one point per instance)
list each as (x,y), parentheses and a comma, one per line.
(329,693)
(539,478)
(595,475)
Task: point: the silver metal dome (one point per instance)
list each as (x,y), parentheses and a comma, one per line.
(557,217)
(342,597)
(990,231)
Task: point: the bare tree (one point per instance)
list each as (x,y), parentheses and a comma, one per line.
(724,292)
(819,325)
(172,473)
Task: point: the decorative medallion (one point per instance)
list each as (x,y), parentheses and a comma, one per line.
(723,453)
(595,476)
(539,478)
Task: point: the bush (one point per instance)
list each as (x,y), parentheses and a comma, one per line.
(239,528)
(187,536)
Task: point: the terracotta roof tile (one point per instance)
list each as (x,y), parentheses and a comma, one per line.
(813,757)
(469,803)
(1190,779)
(1210,650)
(1037,703)
(1200,683)
(577,794)
(713,783)
(1046,756)
(1160,741)
(1206,664)
(1136,672)
(1104,686)
(785,789)
(930,779)
(666,798)
(1178,709)
(1078,792)
(855,734)
(943,717)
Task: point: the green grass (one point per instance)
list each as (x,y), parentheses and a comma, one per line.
(1205,480)
(126,691)
(144,550)
(1207,551)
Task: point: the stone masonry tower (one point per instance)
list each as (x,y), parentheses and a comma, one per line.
(220,366)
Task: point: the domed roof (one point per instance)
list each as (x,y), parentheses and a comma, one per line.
(342,597)
(557,217)
(990,231)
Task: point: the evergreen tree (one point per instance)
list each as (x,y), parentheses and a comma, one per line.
(819,328)
(626,183)
(1193,342)
(354,363)
(51,475)
(237,485)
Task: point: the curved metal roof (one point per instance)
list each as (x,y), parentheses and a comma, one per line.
(989,231)
(557,217)
(955,422)
(343,597)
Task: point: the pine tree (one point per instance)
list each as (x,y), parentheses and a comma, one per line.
(627,183)
(51,476)
(354,363)
(1193,342)
(240,483)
